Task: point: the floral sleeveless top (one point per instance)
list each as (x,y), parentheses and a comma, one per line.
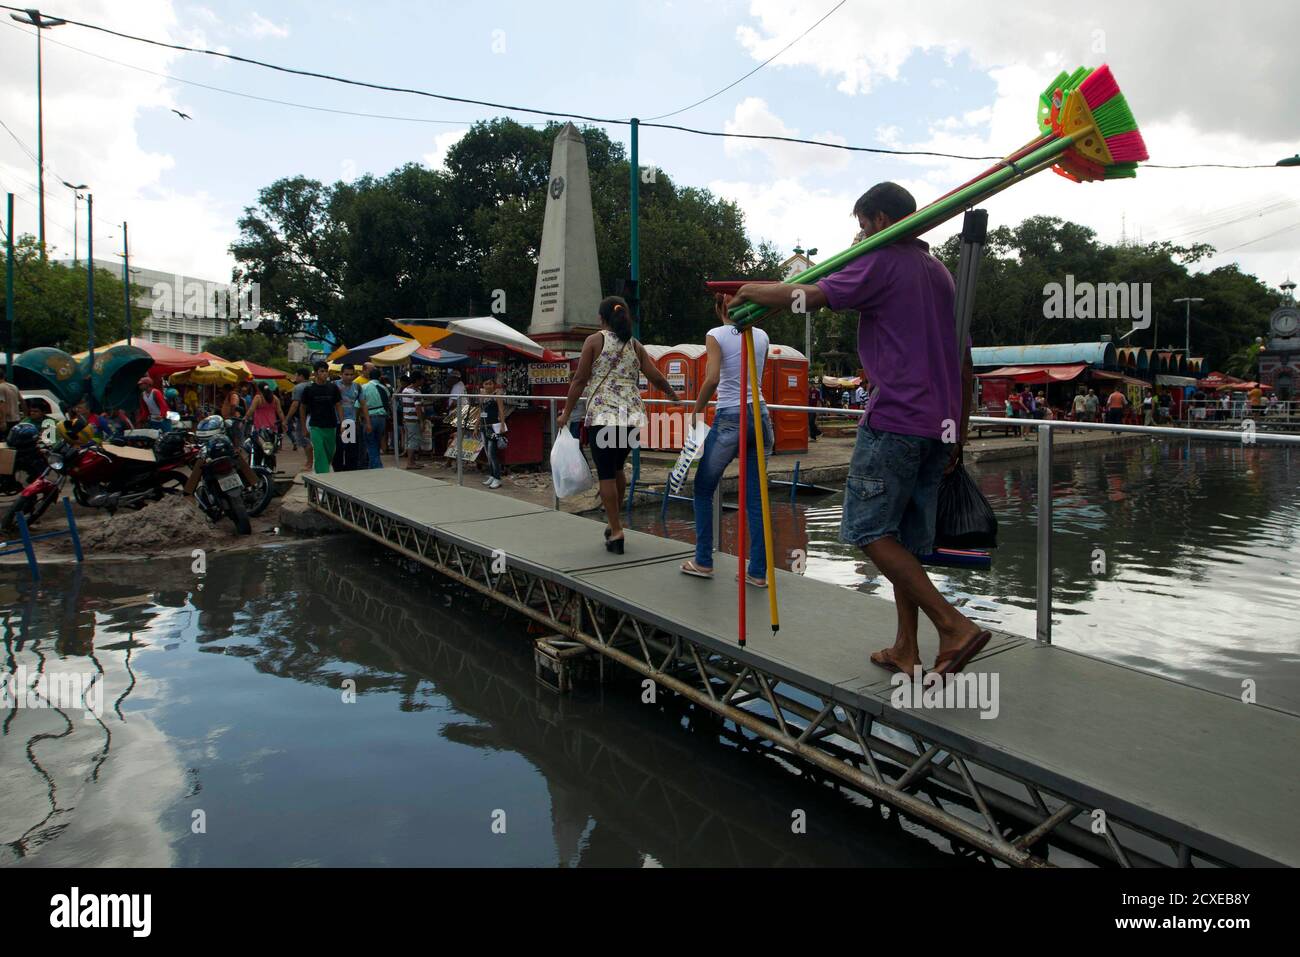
(616,399)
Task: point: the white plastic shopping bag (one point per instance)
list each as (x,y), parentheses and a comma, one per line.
(569,470)
(691,449)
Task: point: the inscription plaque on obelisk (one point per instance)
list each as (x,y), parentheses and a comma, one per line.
(567,291)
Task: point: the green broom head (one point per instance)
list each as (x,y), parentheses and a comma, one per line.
(1049,101)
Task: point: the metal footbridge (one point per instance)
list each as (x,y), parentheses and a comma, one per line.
(1096,760)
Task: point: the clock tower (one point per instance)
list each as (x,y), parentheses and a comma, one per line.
(1279,361)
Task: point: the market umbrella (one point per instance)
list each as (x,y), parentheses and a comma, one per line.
(259,371)
(366,350)
(474,334)
(214,373)
(410,350)
(166,360)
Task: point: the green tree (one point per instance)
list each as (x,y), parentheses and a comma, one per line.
(342,259)
(258,347)
(50,303)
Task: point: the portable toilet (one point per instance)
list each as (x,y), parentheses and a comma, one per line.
(785,382)
(680,365)
(655,353)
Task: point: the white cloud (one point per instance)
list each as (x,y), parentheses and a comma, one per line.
(437,157)
(260,28)
(91,109)
(752,115)
(1233,113)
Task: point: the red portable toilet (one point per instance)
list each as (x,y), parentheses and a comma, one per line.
(785,382)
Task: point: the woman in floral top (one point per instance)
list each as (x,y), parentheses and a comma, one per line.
(614,361)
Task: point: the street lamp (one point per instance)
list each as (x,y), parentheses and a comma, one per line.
(33,18)
(1289,161)
(75,196)
(1188,331)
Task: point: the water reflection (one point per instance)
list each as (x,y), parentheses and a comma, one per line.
(229,700)
(1174,557)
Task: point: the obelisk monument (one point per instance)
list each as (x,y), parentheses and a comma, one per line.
(567,291)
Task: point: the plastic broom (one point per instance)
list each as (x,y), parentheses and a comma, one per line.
(1087,133)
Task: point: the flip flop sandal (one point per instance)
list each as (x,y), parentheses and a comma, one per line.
(889,664)
(690,568)
(954,661)
(751,580)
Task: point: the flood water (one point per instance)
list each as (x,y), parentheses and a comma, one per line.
(226,736)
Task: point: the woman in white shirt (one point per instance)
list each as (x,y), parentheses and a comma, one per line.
(725,353)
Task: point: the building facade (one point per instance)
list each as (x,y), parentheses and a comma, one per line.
(181,311)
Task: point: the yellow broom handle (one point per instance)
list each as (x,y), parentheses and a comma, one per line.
(757,386)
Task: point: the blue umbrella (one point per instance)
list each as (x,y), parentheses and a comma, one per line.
(363,352)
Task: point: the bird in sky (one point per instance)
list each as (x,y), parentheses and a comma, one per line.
(183,116)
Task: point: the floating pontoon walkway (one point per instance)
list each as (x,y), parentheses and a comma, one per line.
(1111,764)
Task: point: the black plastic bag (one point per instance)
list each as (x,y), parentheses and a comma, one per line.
(964,518)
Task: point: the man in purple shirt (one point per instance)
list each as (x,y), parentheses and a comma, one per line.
(915,422)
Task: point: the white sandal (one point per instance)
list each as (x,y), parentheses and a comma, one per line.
(699,571)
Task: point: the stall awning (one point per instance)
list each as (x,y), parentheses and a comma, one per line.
(1180,380)
(1120,377)
(1036,374)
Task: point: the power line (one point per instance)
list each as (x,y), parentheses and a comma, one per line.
(578,116)
(664,116)
(252,96)
(1257,239)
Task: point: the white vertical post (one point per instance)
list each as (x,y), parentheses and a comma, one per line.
(1044,551)
(460,440)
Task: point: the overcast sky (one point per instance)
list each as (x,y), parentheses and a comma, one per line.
(960,77)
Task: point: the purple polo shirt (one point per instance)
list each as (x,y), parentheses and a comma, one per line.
(906,338)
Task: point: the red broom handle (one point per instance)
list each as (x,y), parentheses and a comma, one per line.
(741,518)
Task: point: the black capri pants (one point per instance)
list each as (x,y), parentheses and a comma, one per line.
(610,445)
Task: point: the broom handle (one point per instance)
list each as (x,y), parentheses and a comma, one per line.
(740,517)
(751,360)
(921,220)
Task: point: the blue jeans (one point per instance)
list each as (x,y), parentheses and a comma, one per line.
(893,489)
(373,438)
(720,449)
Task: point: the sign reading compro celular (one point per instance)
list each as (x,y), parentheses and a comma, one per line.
(548,373)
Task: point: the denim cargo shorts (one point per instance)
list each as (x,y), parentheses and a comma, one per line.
(893,489)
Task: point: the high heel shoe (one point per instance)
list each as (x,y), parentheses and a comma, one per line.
(614,545)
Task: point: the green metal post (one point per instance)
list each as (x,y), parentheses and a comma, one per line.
(9,292)
(90,294)
(634,266)
(635,244)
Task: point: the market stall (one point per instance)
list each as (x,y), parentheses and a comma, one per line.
(507,356)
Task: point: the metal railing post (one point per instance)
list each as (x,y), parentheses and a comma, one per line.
(555,499)
(399,434)
(460,440)
(1044,551)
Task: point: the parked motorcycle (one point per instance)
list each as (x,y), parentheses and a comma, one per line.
(141,469)
(29,458)
(262,446)
(222,483)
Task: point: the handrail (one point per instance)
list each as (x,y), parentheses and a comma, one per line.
(1242,434)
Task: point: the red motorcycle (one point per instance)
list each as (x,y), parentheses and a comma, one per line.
(108,476)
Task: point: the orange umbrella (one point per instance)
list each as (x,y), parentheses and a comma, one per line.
(426,335)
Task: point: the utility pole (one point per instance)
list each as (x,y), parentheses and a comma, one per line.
(33,18)
(9,291)
(75,196)
(1187,334)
